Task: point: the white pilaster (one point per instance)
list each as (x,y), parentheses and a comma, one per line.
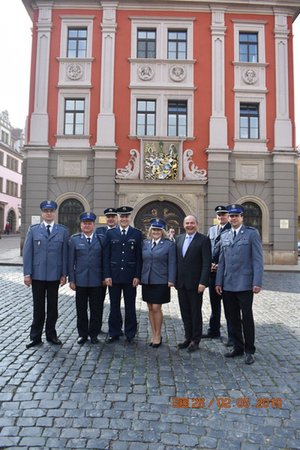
(106,118)
(218,121)
(283,125)
(39,119)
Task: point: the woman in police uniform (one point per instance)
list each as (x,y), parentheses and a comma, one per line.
(158,275)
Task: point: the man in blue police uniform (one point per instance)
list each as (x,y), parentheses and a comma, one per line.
(239,276)
(122,272)
(214,234)
(111,217)
(45,259)
(86,277)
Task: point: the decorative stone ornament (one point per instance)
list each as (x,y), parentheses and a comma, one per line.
(250,76)
(74,71)
(190,170)
(177,73)
(145,72)
(132,169)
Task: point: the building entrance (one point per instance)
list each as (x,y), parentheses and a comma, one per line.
(168,211)
(68,214)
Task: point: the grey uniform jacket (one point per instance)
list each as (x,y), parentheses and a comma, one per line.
(45,258)
(241,261)
(159,263)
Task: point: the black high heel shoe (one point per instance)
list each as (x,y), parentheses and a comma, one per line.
(157,345)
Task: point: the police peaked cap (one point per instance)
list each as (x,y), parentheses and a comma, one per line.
(87,217)
(48,204)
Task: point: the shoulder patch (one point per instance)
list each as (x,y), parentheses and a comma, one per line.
(250,228)
(76,234)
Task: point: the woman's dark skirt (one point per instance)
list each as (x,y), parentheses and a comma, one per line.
(157,294)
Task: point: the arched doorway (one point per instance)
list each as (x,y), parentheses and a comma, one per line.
(68,214)
(253,216)
(12,220)
(168,211)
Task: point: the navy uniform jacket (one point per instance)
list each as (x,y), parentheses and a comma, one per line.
(194,268)
(241,261)
(85,261)
(123,255)
(101,231)
(45,258)
(159,264)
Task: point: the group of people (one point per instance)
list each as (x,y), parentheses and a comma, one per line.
(116,257)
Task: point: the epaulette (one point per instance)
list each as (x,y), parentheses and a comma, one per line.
(250,228)
(63,226)
(76,234)
(35,225)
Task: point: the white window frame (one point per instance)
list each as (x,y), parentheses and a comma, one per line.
(250,27)
(162,112)
(162,26)
(66,94)
(75,23)
(259,99)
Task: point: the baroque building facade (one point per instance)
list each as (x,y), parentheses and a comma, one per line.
(170,106)
(11,160)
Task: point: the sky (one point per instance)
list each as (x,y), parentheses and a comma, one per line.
(15,54)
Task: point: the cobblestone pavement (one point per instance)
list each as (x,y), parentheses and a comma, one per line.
(121,397)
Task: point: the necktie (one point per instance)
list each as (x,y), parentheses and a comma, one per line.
(48,229)
(186,244)
(123,232)
(153,245)
(234,235)
(88,240)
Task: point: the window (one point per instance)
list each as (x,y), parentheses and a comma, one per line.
(177,44)
(177,118)
(248,47)
(1,184)
(74,117)
(146,43)
(249,121)
(11,188)
(1,158)
(4,137)
(146,117)
(77,42)
(253,216)
(12,163)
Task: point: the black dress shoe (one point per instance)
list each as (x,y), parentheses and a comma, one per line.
(249,358)
(193,347)
(33,343)
(112,339)
(184,344)
(81,340)
(130,341)
(234,353)
(55,341)
(150,344)
(229,343)
(157,345)
(210,336)
(94,340)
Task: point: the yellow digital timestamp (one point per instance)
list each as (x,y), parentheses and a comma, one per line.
(226,402)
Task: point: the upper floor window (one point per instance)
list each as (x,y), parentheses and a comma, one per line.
(249,121)
(1,158)
(248,47)
(11,188)
(4,137)
(177,118)
(12,163)
(177,44)
(74,116)
(146,117)
(1,184)
(146,43)
(77,42)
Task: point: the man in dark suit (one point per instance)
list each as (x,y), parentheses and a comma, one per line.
(214,234)
(111,217)
(122,272)
(45,259)
(193,270)
(86,277)
(239,277)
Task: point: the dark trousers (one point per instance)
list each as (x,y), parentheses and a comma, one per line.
(42,290)
(88,296)
(190,303)
(239,306)
(115,317)
(215,317)
(102,299)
